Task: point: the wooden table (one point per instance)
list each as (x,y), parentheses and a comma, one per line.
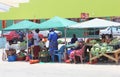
(114,55)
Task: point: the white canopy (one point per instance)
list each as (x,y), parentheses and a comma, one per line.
(95,23)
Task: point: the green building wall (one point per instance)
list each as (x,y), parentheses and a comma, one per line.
(40,9)
(8,23)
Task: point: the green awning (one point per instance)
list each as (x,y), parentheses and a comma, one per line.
(21,25)
(55,22)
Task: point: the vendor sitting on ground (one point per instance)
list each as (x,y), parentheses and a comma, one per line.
(9,48)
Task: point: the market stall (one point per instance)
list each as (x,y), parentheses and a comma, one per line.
(99,51)
(24,26)
(56,22)
(112,55)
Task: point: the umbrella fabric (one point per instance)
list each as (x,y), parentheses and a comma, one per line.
(55,22)
(11,35)
(95,23)
(21,25)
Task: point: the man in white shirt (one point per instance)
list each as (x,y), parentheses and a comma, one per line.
(37,40)
(9,48)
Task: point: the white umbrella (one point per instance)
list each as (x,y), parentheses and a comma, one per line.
(95,23)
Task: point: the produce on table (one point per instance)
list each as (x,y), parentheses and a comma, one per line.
(114,41)
(93,42)
(98,49)
(60,42)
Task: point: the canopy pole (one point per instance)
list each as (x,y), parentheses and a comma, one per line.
(94,33)
(2,33)
(84,35)
(27,40)
(111,31)
(65,54)
(65,36)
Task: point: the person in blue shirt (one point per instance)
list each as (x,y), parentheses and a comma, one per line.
(22,35)
(53,43)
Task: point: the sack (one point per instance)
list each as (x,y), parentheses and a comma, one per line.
(34,61)
(42,45)
(43,53)
(20,58)
(45,59)
(22,45)
(67,61)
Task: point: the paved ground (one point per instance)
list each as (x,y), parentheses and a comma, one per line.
(24,69)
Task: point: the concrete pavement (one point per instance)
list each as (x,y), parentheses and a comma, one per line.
(24,69)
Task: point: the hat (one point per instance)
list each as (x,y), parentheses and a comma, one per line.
(80,40)
(52,29)
(37,30)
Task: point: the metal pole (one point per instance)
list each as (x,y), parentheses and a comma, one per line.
(27,40)
(65,54)
(94,33)
(65,36)
(111,31)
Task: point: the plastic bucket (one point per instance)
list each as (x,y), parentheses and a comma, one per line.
(12,58)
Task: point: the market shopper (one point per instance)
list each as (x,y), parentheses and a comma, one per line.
(53,43)
(36,40)
(22,35)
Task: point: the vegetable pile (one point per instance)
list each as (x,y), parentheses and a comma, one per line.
(100,48)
